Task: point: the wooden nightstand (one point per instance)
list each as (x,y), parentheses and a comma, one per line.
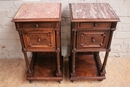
(38,25)
(92,26)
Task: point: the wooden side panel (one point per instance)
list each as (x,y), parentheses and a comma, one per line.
(39,39)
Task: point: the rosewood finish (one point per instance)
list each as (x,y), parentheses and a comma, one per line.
(92,27)
(38,25)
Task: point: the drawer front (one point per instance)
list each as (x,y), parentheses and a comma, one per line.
(95,25)
(37,25)
(92,39)
(39,39)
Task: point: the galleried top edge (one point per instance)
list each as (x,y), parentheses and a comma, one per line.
(39,12)
(92,12)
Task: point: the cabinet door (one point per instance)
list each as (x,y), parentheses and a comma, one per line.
(90,39)
(39,39)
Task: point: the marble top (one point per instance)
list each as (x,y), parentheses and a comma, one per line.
(92,11)
(38,11)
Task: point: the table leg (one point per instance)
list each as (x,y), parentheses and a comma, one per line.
(104,62)
(58,73)
(27,62)
(73,64)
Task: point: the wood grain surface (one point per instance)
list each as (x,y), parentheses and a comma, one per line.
(85,65)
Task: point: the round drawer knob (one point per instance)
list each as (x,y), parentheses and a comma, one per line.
(95,24)
(39,40)
(36,25)
(93,40)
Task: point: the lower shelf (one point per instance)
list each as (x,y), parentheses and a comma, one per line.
(86,68)
(45,67)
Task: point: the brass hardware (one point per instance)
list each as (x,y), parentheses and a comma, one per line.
(39,40)
(93,40)
(95,24)
(37,25)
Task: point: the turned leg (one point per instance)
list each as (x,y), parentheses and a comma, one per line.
(24,52)
(58,73)
(73,53)
(98,61)
(73,64)
(27,61)
(105,61)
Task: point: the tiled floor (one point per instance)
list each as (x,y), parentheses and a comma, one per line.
(13,74)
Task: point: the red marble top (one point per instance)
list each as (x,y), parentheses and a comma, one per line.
(92,11)
(38,11)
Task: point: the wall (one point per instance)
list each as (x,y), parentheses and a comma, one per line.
(10,46)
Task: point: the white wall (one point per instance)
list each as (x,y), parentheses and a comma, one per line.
(10,46)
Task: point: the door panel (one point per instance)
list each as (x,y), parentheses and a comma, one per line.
(39,39)
(92,39)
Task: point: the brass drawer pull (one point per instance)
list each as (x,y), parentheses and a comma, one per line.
(93,40)
(39,40)
(37,25)
(95,24)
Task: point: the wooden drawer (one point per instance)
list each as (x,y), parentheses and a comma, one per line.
(92,39)
(96,25)
(37,25)
(39,39)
